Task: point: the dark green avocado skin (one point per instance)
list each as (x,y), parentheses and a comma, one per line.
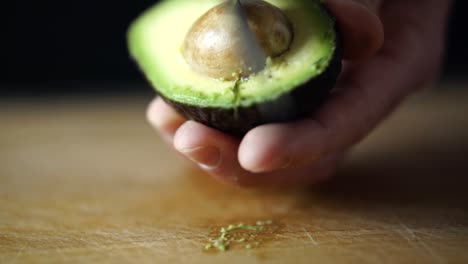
(303,101)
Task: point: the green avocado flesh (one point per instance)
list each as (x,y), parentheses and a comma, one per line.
(155,41)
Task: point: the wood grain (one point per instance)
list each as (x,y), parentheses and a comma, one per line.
(89,181)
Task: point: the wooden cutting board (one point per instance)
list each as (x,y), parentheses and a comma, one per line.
(87,180)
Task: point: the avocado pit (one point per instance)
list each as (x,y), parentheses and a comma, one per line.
(214,61)
(235,38)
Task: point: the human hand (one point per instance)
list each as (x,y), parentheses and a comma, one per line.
(378,74)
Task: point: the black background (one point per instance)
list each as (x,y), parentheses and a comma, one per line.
(51,47)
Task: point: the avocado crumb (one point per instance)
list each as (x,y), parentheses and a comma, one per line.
(233,234)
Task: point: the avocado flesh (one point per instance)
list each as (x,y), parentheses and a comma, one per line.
(308,70)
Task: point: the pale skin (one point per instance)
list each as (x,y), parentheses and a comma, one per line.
(392,48)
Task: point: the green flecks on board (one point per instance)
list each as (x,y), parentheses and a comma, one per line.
(239,233)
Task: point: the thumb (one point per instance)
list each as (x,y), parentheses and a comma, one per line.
(359,25)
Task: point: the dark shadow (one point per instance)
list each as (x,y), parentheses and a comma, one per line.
(419,174)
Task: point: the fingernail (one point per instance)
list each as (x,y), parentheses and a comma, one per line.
(283,162)
(165,135)
(208,158)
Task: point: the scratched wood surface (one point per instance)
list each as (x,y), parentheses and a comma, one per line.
(88,181)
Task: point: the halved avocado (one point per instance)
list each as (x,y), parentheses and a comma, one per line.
(288,86)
